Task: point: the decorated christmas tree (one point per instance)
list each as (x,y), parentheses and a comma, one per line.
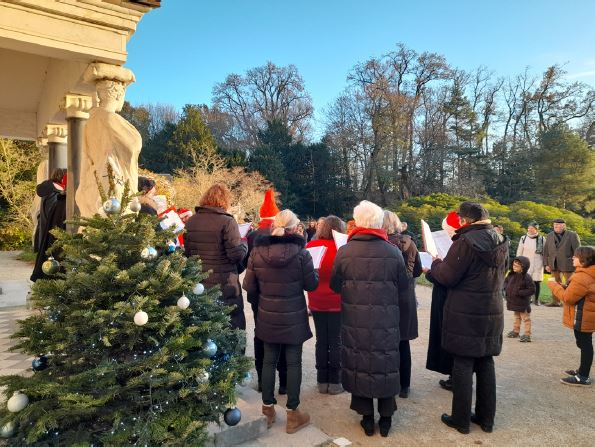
(130,348)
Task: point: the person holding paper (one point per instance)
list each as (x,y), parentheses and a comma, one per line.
(473,272)
(213,235)
(325,306)
(407,301)
(370,274)
(279,270)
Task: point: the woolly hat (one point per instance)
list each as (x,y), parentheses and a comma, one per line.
(451,222)
(268,209)
(184,212)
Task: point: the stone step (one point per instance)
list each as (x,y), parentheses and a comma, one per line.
(251,426)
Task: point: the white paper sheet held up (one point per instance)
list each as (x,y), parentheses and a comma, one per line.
(317,254)
(340,239)
(436,243)
(244,228)
(426,259)
(428,240)
(171,220)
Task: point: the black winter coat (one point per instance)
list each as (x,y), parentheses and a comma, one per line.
(213,235)
(52,214)
(473,272)
(370,275)
(279,270)
(408,324)
(519,287)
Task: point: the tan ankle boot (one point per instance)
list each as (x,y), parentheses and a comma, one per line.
(269,412)
(296,420)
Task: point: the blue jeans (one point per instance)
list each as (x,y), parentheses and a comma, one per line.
(293,354)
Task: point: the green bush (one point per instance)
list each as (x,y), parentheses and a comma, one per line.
(14,237)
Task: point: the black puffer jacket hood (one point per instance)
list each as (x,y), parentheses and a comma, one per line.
(47,188)
(280,250)
(524,261)
(490,247)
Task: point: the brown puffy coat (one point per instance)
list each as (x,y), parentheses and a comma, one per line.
(578,299)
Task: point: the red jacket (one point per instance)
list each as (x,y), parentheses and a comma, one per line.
(323,299)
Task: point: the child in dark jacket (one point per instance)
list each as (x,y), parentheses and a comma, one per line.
(519,288)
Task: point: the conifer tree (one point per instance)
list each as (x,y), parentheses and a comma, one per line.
(131,350)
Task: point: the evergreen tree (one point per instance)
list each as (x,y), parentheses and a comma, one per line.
(131,349)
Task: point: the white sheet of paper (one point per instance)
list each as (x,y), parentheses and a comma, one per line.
(317,254)
(428,239)
(171,220)
(244,228)
(340,239)
(426,259)
(442,241)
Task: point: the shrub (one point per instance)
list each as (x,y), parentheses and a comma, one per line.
(14,237)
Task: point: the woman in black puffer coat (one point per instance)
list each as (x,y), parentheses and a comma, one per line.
(369,273)
(214,236)
(279,270)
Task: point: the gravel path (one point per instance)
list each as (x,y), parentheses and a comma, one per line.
(534,408)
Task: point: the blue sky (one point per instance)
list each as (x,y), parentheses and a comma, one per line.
(182,49)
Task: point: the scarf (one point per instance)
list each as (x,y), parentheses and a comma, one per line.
(376,232)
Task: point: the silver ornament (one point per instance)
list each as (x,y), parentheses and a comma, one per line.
(135,205)
(8,430)
(198,289)
(51,266)
(183,302)
(17,402)
(210,348)
(111,206)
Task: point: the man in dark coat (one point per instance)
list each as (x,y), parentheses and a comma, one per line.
(52,214)
(369,273)
(558,251)
(473,273)
(214,236)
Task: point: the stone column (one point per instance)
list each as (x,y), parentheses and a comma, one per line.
(77,113)
(56,135)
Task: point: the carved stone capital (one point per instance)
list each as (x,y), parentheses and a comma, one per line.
(56,133)
(77,106)
(99,71)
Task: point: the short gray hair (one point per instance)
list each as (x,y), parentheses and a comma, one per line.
(391,222)
(368,215)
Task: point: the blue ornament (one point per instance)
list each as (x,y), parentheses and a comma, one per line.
(232,416)
(247,378)
(210,348)
(171,247)
(111,206)
(148,253)
(226,357)
(40,363)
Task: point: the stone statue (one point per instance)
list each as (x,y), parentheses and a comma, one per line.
(109,139)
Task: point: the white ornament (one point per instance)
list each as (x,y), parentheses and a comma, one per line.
(141,318)
(17,402)
(135,205)
(198,289)
(8,430)
(148,253)
(204,377)
(183,302)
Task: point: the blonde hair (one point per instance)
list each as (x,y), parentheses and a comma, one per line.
(285,220)
(391,222)
(368,215)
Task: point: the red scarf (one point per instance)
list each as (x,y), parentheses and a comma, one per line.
(375,232)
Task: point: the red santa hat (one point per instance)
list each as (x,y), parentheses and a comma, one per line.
(184,212)
(268,209)
(451,222)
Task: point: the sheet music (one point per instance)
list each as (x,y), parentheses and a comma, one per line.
(428,240)
(436,243)
(340,239)
(171,220)
(426,259)
(317,254)
(244,229)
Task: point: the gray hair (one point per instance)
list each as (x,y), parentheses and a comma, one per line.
(391,222)
(368,215)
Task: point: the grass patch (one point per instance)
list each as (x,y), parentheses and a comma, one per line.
(27,255)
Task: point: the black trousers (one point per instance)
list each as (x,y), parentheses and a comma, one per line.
(293,355)
(584,341)
(328,346)
(405,366)
(365,405)
(462,387)
(537,290)
(259,356)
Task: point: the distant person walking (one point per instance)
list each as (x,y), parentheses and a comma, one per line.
(579,311)
(558,250)
(531,246)
(473,272)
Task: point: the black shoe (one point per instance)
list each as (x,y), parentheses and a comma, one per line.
(485,427)
(448,421)
(367,424)
(384,424)
(404,394)
(282,389)
(446,384)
